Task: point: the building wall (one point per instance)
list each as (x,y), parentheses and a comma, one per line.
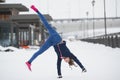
(2,1)
(5,15)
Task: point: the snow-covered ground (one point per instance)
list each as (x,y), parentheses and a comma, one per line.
(102,63)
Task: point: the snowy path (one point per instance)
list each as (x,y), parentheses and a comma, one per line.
(102,63)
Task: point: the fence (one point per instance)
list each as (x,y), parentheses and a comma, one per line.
(112,40)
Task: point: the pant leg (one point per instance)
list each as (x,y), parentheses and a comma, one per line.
(76,60)
(44,47)
(59,60)
(46,24)
(52,32)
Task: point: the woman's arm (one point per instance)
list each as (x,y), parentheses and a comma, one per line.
(59,60)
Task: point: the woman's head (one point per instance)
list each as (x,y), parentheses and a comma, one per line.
(69,61)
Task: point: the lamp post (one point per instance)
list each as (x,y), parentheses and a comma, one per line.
(116,7)
(87,13)
(105,25)
(93,4)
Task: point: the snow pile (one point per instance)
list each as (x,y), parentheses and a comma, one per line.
(7,49)
(1,48)
(101,62)
(34,47)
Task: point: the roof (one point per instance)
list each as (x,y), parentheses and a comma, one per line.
(29,17)
(19,7)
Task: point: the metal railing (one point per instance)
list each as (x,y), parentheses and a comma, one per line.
(112,40)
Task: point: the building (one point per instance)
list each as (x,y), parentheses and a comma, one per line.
(2,0)
(19,30)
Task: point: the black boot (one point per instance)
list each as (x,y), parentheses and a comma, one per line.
(59,76)
(84,70)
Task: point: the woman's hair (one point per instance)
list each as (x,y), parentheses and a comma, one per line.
(71,63)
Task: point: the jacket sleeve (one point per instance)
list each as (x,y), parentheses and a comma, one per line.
(59,60)
(72,56)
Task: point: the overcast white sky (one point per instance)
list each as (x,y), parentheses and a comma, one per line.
(71,8)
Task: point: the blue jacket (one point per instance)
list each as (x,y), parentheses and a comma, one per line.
(62,51)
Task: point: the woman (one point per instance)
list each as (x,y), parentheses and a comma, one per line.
(64,53)
(55,40)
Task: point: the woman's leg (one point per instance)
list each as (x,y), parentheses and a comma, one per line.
(52,32)
(52,40)
(44,47)
(44,21)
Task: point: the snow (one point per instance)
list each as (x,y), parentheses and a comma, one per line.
(6,48)
(101,62)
